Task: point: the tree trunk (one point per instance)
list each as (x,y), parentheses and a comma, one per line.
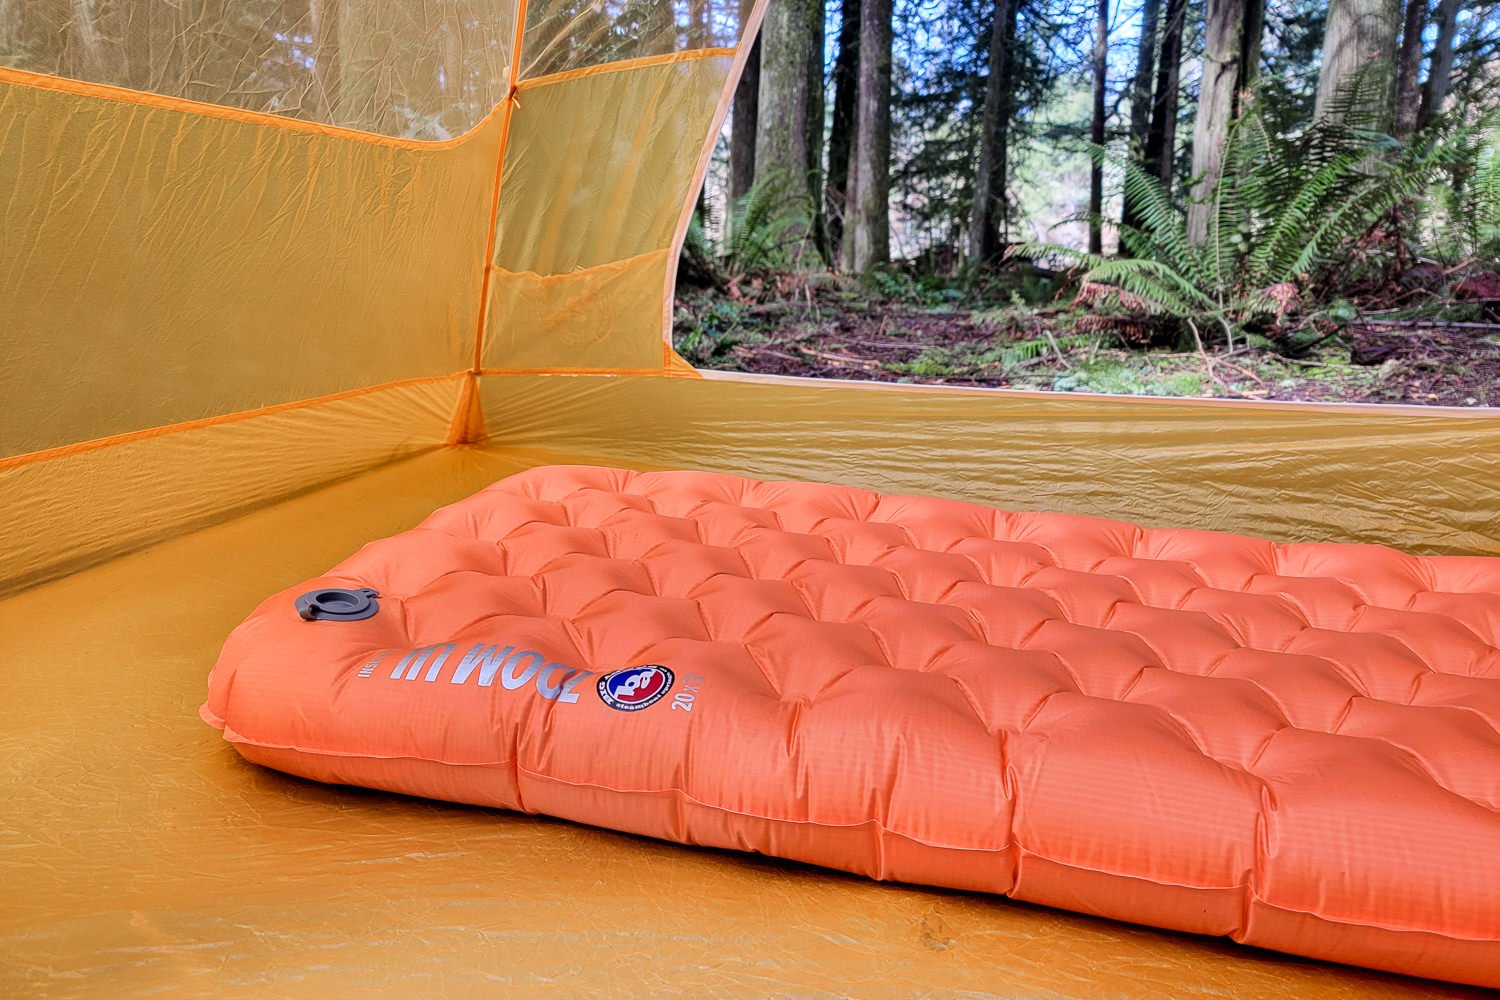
(1440,72)
(742,129)
(1408,65)
(841,131)
(988,210)
(872,227)
(1001,182)
(789,120)
(1160,158)
(872,236)
(1096,132)
(1140,98)
(1231,36)
(1360,37)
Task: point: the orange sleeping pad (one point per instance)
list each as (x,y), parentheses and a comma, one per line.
(1297,746)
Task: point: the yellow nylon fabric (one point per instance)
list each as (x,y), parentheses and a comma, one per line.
(597,170)
(1424,480)
(598,167)
(141,857)
(418,69)
(80,507)
(554,321)
(161,266)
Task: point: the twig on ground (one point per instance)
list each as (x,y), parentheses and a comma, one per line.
(1208,364)
(1058,349)
(1409,324)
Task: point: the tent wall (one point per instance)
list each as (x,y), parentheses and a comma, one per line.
(597,170)
(89,502)
(1420,479)
(161,265)
(205,306)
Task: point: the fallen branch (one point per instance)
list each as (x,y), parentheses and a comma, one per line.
(1417,324)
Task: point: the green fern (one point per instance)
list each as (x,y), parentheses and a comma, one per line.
(1464,222)
(760,228)
(759,232)
(1284,207)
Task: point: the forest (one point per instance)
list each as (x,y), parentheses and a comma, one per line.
(1247,198)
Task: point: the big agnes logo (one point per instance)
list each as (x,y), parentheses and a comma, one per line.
(635,688)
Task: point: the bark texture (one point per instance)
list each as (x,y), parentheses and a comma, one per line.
(1408,65)
(1231,48)
(1440,72)
(742,128)
(1161,138)
(789,126)
(872,231)
(841,128)
(1096,131)
(987,216)
(1359,49)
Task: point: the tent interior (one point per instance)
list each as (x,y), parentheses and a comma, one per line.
(259,310)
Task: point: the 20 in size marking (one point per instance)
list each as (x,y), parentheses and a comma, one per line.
(690,684)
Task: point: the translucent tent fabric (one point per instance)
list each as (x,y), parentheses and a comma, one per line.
(429,70)
(279,278)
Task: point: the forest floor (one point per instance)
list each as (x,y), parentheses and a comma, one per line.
(825,328)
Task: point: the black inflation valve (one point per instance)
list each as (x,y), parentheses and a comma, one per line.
(335,604)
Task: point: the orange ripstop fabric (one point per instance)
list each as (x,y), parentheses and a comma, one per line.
(1295,745)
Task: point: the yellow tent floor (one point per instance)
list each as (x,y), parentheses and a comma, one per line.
(140,856)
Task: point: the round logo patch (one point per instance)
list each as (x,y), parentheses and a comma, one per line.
(635,688)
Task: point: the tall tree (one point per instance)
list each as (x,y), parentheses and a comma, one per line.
(1408,66)
(1359,48)
(1440,71)
(1096,132)
(988,212)
(1160,155)
(789,125)
(1231,55)
(743,126)
(1140,96)
(841,128)
(872,157)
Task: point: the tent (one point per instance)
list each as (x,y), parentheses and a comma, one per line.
(279,278)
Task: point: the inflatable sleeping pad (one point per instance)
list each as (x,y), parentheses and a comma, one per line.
(1292,745)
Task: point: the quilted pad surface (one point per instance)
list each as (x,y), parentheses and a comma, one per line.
(1296,745)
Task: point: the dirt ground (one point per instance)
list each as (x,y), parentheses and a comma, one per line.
(821,334)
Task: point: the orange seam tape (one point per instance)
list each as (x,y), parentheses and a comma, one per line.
(570,371)
(617,265)
(81,447)
(625,65)
(108,92)
(510,104)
